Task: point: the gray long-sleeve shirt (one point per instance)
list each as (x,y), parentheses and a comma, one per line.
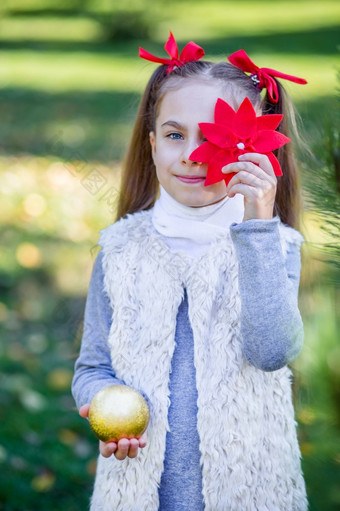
(272,333)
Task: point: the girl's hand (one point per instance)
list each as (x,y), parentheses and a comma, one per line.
(121,449)
(256,181)
(124,448)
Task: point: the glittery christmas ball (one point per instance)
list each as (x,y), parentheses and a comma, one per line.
(118,411)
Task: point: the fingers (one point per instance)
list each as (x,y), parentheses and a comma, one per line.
(261,161)
(253,170)
(132,448)
(254,163)
(142,440)
(252,180)
(107,448)
(255,179)
(123,449)
(251,186)
(84,411)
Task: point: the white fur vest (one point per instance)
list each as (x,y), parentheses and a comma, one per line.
(249,451)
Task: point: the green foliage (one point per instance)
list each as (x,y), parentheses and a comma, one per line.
(322,182)
(317,373)
(124,25)
(47,453)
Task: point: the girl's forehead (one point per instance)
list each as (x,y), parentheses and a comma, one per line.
(190,97)
(193,89)
(197,95)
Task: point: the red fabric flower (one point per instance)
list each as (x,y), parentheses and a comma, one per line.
(236,133)
(190,52)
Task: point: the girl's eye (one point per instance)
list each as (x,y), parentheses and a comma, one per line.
(175,136)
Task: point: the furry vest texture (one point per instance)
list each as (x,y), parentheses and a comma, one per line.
(249,451)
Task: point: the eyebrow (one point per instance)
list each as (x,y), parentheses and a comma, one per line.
(174,124)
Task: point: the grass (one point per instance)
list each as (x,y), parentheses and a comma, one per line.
(211,20)
(50,29)
(67,101)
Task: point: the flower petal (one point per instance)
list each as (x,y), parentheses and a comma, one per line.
(204,152)
(217,134)
(214,176)
(228,177)
(224,113)
(216,163)
(268,122)
(275,163)
(245,120)
(268,140)
(220,160)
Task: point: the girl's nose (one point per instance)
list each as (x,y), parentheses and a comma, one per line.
(191,163)
(187,150)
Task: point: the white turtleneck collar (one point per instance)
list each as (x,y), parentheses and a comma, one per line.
(193,229)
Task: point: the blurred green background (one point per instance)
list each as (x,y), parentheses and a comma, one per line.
(70,81)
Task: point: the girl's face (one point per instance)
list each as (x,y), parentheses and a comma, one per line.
(176,135)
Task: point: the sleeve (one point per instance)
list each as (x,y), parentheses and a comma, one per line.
(93,367)
(271,324)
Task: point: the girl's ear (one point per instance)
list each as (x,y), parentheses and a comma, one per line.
(153,143)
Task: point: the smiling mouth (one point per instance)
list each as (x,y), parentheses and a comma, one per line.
(191,179)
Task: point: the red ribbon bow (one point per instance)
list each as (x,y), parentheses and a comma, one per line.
(190,52)
(264,75)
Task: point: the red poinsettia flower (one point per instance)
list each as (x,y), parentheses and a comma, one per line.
(236,133)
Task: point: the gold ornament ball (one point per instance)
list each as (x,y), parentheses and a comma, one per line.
(118,411)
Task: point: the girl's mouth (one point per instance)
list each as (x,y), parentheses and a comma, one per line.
(191,179)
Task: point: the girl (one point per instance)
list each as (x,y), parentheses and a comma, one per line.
(193,301)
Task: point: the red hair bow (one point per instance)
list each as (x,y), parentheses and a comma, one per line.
(190,52)
(262,76)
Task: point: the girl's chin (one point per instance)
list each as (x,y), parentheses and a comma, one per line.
(207,203)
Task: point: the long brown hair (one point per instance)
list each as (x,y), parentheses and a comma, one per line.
(139,184)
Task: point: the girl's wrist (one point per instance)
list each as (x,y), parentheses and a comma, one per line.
(258,213)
